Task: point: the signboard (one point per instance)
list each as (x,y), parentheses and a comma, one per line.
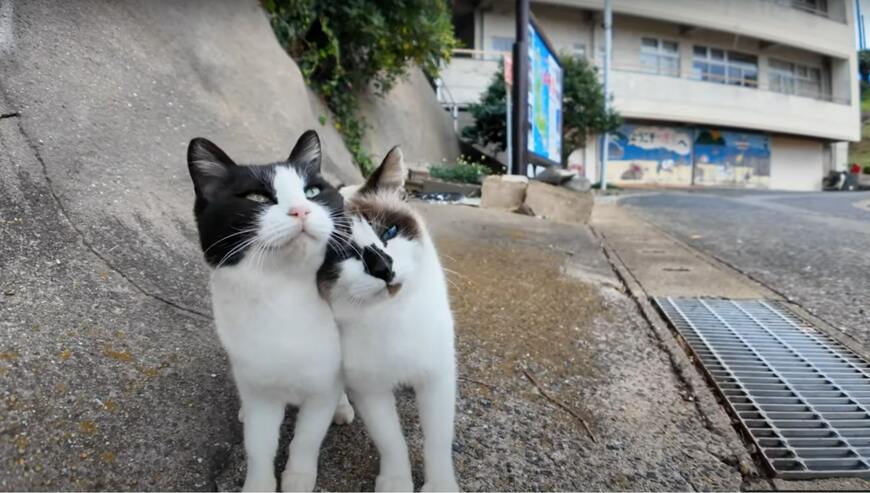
(544,142)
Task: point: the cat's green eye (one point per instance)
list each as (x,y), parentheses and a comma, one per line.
(258,198)
(312,192)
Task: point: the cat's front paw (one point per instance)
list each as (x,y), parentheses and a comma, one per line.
(298,481)
(440,485)
(261,484)
(394,483)
(343,415)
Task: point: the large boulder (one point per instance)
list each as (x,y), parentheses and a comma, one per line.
(111,376)
(503,191)
(411,117)
(559,203)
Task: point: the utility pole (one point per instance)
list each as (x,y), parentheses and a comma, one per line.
(608,47)
(520,89)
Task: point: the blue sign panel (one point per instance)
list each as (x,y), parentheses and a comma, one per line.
(544,99)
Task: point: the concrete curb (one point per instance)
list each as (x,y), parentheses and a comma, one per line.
(708,405)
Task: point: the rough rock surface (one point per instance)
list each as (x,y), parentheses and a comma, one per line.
(558,203)
(411,117)
(110,374)
(503,191)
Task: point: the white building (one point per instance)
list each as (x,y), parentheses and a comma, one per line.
(758,93)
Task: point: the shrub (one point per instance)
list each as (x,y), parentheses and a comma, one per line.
(583,105)
(462,172)
(345,47)
(866,170)
(490,125)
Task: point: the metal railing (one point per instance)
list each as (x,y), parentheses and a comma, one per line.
(448,102)
(750,84)
(820,9)
(489,55)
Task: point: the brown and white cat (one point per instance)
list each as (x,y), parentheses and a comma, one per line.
(389,298)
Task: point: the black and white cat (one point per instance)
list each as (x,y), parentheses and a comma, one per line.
(391,305)
(264,230)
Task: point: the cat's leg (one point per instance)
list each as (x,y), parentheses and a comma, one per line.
(312,423)
(262,421)
(436,404)
(344,412)
(378,411)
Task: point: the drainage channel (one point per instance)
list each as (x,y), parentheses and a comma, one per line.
(802,397)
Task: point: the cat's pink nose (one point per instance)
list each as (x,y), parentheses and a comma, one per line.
(299,212)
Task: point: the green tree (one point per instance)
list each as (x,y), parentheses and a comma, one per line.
(864,65)
(583,106)
(346,47)
(584,112)
(490,126)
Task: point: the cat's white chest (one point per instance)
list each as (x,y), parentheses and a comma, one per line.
(279,334)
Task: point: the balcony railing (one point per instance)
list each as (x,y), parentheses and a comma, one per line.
(818,8)
(747,83)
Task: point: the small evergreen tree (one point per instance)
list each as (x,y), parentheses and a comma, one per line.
(583,107)
(490,126)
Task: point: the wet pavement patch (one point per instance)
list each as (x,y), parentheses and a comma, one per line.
(802,398)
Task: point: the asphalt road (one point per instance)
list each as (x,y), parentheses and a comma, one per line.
(811,247)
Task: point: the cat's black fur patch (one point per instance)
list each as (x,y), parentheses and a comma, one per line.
(226,220)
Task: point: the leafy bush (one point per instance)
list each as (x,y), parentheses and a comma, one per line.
(462,172)
(583,105)
(345,47)
(490,125)
(866,170)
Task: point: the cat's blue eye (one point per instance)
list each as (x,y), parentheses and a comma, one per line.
(312,192)
(258,198)
(389,233)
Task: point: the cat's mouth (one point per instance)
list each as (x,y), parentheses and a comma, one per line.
(392,289)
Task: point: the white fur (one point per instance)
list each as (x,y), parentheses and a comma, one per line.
(281,337)
(404,339)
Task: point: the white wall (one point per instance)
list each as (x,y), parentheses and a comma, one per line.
(795,164)
(652,97)
(762,19)
(655,97)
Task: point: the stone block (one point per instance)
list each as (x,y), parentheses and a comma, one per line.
(559,203)
(503,191)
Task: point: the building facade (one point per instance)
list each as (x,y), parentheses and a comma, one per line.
(743,93)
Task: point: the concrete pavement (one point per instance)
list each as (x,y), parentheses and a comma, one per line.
(811,248)
(654,263)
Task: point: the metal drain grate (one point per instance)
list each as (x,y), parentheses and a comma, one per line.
(803,397)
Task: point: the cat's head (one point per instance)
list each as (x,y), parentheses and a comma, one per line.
(261,212)
(388,239)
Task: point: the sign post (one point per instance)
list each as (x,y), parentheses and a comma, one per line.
(608,40)
(537,97)
(520,88)
(509,82)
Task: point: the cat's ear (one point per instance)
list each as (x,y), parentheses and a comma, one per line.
(389,176)
(208,166)
(307,153)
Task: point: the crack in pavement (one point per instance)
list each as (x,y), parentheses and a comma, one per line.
(683,368)
(105,260)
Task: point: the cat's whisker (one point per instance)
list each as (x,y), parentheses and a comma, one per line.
(241,232)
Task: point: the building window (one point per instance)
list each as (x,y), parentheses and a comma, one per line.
(579,50)
(724,67)
(818,7)
(659,56)
(502,43)
(793,78)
